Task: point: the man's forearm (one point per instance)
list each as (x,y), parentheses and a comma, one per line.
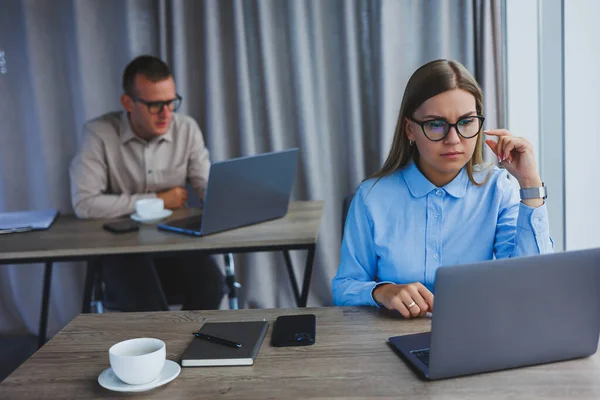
(108,205)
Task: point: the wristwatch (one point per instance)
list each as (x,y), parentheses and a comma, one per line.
(534,193)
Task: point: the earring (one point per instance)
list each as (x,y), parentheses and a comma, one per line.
(411,142)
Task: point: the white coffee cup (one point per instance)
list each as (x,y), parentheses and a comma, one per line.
(138,361)
(148,208)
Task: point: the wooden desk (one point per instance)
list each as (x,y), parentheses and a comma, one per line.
(70,238)
(350,359)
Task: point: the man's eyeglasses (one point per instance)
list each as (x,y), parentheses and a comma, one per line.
(437,129)
(156,107)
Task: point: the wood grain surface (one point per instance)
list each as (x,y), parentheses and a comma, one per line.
(72,238)
(351,359)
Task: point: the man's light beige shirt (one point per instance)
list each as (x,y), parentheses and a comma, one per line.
(114,168)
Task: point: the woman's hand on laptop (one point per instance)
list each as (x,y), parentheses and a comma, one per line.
(174,198)
(411,300)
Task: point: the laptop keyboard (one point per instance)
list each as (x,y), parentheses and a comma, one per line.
(422,355)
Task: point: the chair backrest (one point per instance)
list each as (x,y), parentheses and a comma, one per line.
(345,208)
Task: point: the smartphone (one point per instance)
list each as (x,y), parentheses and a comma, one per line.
(122,226)
(294,330)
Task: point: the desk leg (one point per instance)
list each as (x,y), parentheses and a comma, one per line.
(292,275)
(301,299)
(45,304)
(310,258)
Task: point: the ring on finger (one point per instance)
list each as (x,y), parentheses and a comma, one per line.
(411,304)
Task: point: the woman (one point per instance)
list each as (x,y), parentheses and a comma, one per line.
(434,202)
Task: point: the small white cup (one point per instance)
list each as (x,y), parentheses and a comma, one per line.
(148,208)
(138,361)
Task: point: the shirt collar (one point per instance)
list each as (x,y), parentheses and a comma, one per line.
(419,185)
(126,133)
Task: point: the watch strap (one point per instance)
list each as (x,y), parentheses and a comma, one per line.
(534,193)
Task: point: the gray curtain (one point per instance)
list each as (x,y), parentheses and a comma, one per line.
(326,76)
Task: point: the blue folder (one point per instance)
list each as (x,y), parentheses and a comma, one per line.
(23,221)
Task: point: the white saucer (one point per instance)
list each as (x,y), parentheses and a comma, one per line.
(109,380)
(154,219)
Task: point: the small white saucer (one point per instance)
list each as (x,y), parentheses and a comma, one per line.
(162,215)
(109,380)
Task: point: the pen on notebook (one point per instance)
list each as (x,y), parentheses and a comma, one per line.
(215,339)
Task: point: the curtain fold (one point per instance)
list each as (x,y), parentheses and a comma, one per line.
(258,76)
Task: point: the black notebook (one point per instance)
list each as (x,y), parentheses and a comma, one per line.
(202,353)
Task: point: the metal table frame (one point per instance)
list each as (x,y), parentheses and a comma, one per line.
(300,295)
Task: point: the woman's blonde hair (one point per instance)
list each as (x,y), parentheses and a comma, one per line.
(430,80)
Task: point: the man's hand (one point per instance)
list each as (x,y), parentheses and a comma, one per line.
(174,198)
(411,300)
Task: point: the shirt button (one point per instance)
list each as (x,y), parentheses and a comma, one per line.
(435,215)
(435,256)
(149,171)
(439,192)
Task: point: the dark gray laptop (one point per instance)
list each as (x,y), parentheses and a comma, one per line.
(243,191)
(509,313)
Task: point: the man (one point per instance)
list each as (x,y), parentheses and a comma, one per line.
(147,151)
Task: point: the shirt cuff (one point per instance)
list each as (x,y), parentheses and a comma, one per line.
(534,219)
(142,196)
(371,300)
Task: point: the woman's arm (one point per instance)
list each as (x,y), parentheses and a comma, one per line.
(355,278)
(522,228)
(355,282)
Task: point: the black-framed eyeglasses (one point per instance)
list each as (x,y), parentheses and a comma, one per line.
(156,107)
(437,129)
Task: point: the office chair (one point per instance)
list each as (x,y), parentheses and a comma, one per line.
(93,292)
(232,285)
(93,297)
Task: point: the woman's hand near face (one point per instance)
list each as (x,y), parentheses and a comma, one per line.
(411,300)
(516,155)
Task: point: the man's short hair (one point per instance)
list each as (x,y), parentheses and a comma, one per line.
(152,68)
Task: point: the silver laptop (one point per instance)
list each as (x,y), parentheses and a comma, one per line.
(509,313)
(243,191)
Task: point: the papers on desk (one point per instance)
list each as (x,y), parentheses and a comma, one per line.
(24,221)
